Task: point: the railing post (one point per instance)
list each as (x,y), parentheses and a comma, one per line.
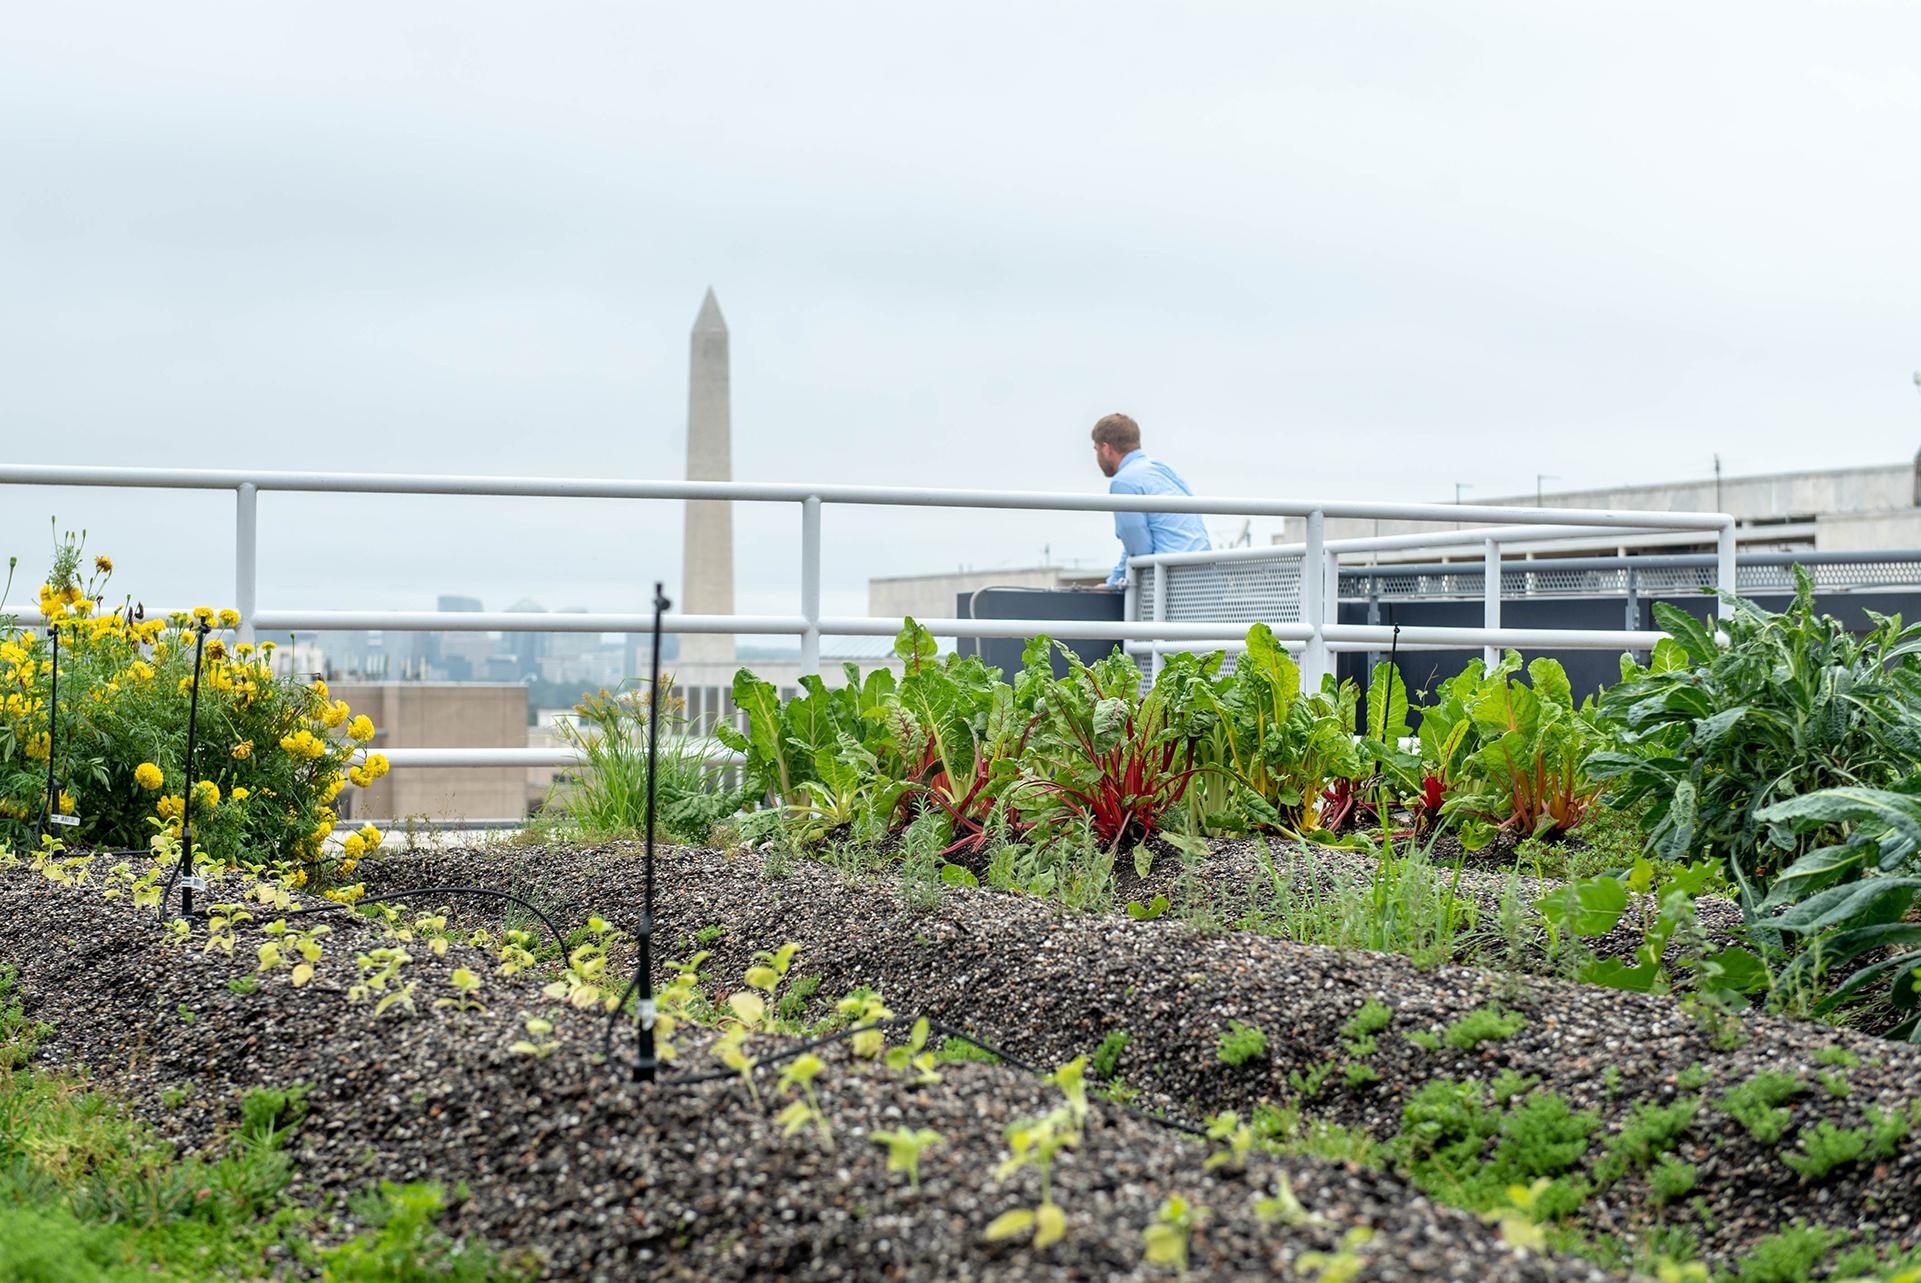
(1160,616)
(1725,570)
(246,559)
(1314,603)
(1331,596)
(1634,599)
(810,585)
(1491,598)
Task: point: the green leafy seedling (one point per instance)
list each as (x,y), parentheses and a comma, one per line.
(1283,1207)
(915,1055)
(539,1042)
(904,1148)
(1340,1266)
(1237,1141)
(1165,1242)
(799,1075)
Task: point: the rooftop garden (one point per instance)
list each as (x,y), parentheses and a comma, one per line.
(969,974)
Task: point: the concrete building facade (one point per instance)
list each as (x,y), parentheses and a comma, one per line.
(933,596)
(441,715)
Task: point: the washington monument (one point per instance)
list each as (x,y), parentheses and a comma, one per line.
(707,557)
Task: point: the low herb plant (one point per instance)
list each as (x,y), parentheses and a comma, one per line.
(1483,1024)
(1240,1044)
(1107,1056)
(1756,1104)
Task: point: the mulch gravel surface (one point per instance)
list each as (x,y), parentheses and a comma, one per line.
(1048,985)
(605,1180)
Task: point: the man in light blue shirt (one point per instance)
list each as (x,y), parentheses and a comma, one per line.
(1117,448)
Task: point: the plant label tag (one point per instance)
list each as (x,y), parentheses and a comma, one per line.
(67,821)
(647,1013)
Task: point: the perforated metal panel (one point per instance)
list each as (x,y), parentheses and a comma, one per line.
(1543,579)
(1243,591)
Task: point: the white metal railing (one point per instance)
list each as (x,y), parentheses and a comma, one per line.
(1319,602)
(1316,633)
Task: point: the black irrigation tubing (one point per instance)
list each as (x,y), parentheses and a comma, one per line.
(560,940)
(934,1026)
(183,872)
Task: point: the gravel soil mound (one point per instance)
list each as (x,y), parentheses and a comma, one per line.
(562,1157)
(1048,986)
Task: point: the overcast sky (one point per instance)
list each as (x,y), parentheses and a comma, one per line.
(1346,249)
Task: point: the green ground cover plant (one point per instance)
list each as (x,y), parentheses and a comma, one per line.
(1240,1044)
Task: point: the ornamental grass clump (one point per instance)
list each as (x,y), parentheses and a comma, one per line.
(273,753)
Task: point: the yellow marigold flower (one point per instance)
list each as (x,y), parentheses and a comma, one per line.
(38,746)
(66,802)
(141,670)
(207,791)
(334,714)
(355,846)
(71,594)
(148,776)
(359,776)
(361,728)
(333,788)
(229,618)
(268,646)
(203,614)
(244,649)
(303,743)
(103,564)
(240,793)
(370,835)
(320,688)
(377,764)
(215,650)
(299,878)
(171,807)
(243,750)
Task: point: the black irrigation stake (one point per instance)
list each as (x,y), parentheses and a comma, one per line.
(645,1066)
(53,735)
(336,906)
(183,872)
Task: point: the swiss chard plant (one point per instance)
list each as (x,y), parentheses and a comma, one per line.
(1528,776)
(1112,756)
(958,735)
(1280,745)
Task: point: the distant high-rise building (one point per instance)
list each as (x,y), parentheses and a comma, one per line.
(526,648)
(433,649)
(707,557)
